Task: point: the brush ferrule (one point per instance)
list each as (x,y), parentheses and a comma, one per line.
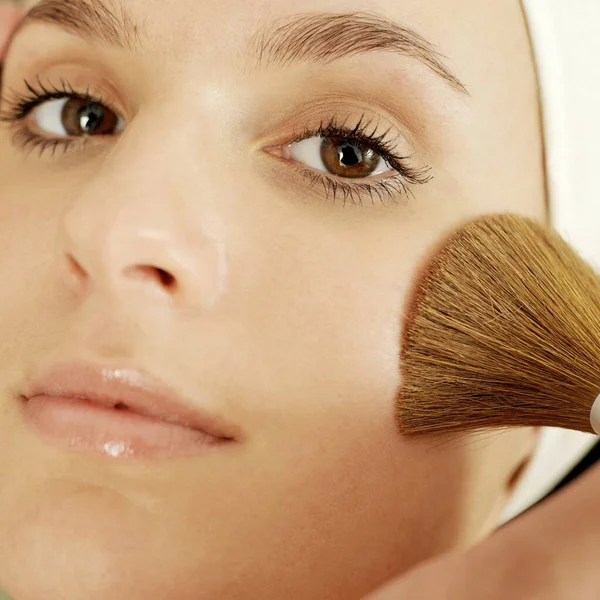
(595,416)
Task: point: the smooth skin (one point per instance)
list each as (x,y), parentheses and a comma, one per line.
(287,312)
(10,15)
(550,553)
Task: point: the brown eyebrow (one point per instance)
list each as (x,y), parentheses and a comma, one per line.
(90,19)
(326,37)
(320,38)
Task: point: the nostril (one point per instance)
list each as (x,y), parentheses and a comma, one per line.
(166,278)
(157,274)
(75,267)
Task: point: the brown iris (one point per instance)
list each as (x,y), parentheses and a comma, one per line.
(348,159)
(82,117)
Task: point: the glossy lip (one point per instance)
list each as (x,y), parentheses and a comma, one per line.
(130,389)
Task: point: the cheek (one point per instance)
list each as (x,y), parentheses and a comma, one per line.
(28,226)
(329,327)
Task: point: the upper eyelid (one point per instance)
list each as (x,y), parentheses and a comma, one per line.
(81,71)
(401,134)
(49,92)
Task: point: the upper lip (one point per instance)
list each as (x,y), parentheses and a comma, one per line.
(132,389)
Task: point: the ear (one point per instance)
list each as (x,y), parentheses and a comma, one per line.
(517,458)
(10,16)
(521,467)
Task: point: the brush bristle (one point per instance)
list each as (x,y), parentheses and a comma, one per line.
(504,331)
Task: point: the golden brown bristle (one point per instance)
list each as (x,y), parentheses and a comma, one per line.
(504,331)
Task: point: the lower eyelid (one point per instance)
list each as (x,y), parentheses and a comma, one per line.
(383,192)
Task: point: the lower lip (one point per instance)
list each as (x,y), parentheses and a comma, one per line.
(80,425)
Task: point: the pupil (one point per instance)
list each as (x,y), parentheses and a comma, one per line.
(348,155)
(91,117)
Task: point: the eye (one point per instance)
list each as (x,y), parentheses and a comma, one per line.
(338,157)
(75,117)
(342,157)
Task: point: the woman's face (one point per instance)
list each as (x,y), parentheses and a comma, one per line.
(266,286)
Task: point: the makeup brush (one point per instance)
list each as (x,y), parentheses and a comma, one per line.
(503,330)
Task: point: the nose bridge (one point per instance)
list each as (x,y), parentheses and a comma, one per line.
(142,224)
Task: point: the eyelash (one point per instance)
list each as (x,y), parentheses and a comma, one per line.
(21,105)
(361,138)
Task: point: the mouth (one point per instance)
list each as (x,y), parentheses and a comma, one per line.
(120,413)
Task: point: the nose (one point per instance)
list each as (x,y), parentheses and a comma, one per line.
(144,239)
